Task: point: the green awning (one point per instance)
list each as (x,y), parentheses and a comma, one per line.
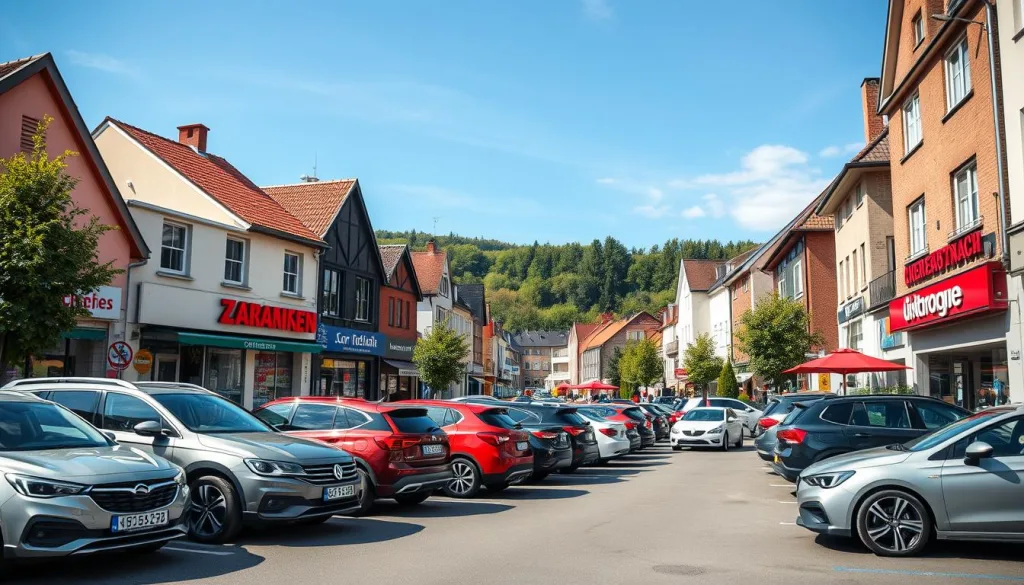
(86,333)
(247,343)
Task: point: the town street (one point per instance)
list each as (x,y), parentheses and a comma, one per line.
(656,517)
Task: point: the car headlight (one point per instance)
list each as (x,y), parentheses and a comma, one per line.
(827,480)
(273,468)
(715,430)
(43,488)
(676,431)
(180,478)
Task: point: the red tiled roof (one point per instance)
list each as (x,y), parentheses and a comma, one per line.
(315,204)
(817,222)
(223,182)
(876,151)
(584,330)
(602,337)
(390,255)
(12,66)
(429,268)
(701,274)
(655,337)
(741,258)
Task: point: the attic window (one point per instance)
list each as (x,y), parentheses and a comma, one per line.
(29,126)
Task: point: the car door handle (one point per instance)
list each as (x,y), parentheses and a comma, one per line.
(862,435)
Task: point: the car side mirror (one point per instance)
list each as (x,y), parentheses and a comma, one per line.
(977,451)
(149,428)
(110,436)
(733,419)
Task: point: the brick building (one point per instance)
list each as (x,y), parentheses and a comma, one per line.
(601,345)
(545,358)
(399,294)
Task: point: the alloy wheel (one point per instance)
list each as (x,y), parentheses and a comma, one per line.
(208,512)
(464,478)
(894,524)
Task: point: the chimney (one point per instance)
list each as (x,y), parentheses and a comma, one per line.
(873,122)
(193,135)
(432,246)
(607,317)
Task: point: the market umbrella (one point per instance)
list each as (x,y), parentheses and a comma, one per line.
(595,385)
(843,362)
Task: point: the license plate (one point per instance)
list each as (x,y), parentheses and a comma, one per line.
(343,491)
(138,521)
(522,446)
(776,459)
(433,449)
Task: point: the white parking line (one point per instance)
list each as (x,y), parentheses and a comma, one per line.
(787,523)
(789,485)
(787,501)
(198,551)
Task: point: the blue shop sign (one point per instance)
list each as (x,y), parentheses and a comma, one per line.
(342,340)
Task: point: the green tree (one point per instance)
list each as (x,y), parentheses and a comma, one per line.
(701,363)
(439,357)
(776,335)
(613,374)
(727,385)
(48,251)
(641,364)
(467,258)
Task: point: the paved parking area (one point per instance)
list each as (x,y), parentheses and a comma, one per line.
(656,517)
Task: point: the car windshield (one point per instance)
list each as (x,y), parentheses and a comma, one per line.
(36,426)
(705,414)
(498,417)
(205,413)
(942,434)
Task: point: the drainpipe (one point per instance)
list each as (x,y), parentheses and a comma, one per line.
(127,299)
(1004,240)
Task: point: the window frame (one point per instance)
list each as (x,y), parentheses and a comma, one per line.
(798,278)
(362,305)
(863,267)
(242,263)
(326,295)
(297,275)
(860,194)
(917,26)
(913,113)
(970,172)
(444,287)
(961,50)
(923,248)
(185,249)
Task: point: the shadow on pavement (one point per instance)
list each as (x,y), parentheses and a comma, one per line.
(335,532)
(636,464)
(942,549)
(609,471)
(538,493)
(166,566)
(582,477)
(441,508)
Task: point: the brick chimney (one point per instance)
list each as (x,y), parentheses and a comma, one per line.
(193,135)
(873,122)
(607,317)
(431,246)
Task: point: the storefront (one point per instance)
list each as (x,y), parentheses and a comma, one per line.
(349,364)
(399,377)
(957,336)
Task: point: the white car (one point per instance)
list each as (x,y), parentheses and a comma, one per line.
(612,440)
(708,426)
(749,414)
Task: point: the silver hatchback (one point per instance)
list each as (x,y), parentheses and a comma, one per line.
(964,481)
(70,490)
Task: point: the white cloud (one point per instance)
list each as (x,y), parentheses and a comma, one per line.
(606,181)
(597,9)
(714,205)
(652,211)
(694,212)
(830,151)
(834,150)
(655,194)
(101,62)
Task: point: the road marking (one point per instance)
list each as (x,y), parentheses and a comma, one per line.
(983,576)
(197,551)
(789,485)
(787,501)
(787,523)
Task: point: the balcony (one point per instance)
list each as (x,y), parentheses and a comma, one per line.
(672,348)
(882,289)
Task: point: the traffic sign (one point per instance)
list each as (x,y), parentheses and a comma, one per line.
(119,355)
(143,361)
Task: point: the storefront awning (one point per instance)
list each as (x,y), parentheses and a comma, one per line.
(404,368)
(478,379)
(247,343)
(743,377)
(86,333)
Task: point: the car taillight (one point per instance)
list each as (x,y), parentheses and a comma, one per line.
(673,419)
(496,439)
(630,426)
(396,443)
(547,435)
(648,424)
(767,422)
(574,431)
(792,435)
(609,432)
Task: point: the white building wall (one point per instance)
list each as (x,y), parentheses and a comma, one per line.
(720,320)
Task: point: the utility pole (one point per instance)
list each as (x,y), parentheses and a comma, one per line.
(436,219)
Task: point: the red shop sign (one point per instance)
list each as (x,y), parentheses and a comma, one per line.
(965,249)
(680,373)
(979,290)
(256,315)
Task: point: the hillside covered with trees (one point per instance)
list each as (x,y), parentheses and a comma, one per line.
(549,286)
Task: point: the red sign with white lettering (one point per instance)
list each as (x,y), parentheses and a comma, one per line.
(256,315)
(979,290)
(965,249)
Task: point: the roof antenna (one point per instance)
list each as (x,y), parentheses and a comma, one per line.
(436,219)
(310,178)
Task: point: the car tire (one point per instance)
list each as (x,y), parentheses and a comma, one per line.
(367,494)
(215,515)
(725,442)
(466,482)
(412,499)
(875,524)
(676,448)
(739,442)
(497,487)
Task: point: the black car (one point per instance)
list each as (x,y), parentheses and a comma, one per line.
(776,411)
(662,428)
(836,425)
(581,434)
(550,443)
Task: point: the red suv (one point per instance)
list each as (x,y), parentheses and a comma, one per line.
(400,453)
(484,451)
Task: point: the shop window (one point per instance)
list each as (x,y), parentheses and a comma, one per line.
(122,412)
(331,293)
(958,74)
(273,377)
(224,369)
(965,187)
(174,248)
(362,299)
(234,261)
(346,378)
(292,272)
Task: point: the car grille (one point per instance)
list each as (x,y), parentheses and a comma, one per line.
(134,496)
(693,433)
(324,474)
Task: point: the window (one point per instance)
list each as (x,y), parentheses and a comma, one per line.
(122,412)
(746,283)
(890,414)
(842,289)
(313,417)
(234,261)
(441,315)
(935,414)
(838,413)
(856,335)
(965,185)
(735,293)
(918,25)
(276,415)
(408,315)
(84,403)
(861,192)
(362,299)
(391,312)
(634,335)
(856,276)
(911,123)
(848,205)
(918,243)
(798,279)
(292,266)
(174,248)
(958,74)
(839,218)
(863,267)
(331,292)
(1005,438)
(846,279)
(443,286)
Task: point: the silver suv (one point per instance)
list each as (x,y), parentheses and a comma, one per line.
(240,470)
(71,490)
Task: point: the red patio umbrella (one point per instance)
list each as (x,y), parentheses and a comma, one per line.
(595,385)
(843,362)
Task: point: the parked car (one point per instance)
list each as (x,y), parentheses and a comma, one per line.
(478,398)
(666,400)
(841,424)
(662,428)
(239,470)
(775,412)
(748,413)
(71,490)
(708,426)
(612,440)
(584,442)
(400,453)
(959,482)
(487,450)
(631,415)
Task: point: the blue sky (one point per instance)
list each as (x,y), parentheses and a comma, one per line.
(550,120)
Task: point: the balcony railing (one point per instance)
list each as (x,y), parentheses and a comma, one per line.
(882,289)
(672,348)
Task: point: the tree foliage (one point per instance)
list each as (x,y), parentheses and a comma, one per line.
(776,335)
(439,357)
(614,371)
(641,364)
(727,385)
(48,251)
(701,363)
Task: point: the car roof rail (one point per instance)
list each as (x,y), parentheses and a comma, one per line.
(24,382)
(173,385)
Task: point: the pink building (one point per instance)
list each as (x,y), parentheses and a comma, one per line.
(29,90)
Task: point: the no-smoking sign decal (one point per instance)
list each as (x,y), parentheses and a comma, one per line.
(119,355)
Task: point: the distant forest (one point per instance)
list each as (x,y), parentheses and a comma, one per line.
(548,286)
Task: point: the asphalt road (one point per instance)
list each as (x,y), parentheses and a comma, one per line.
(658,517)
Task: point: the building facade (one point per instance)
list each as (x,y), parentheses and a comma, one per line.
(399,295)
(603,344)
(439,296)
(545,359)
(475,297)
